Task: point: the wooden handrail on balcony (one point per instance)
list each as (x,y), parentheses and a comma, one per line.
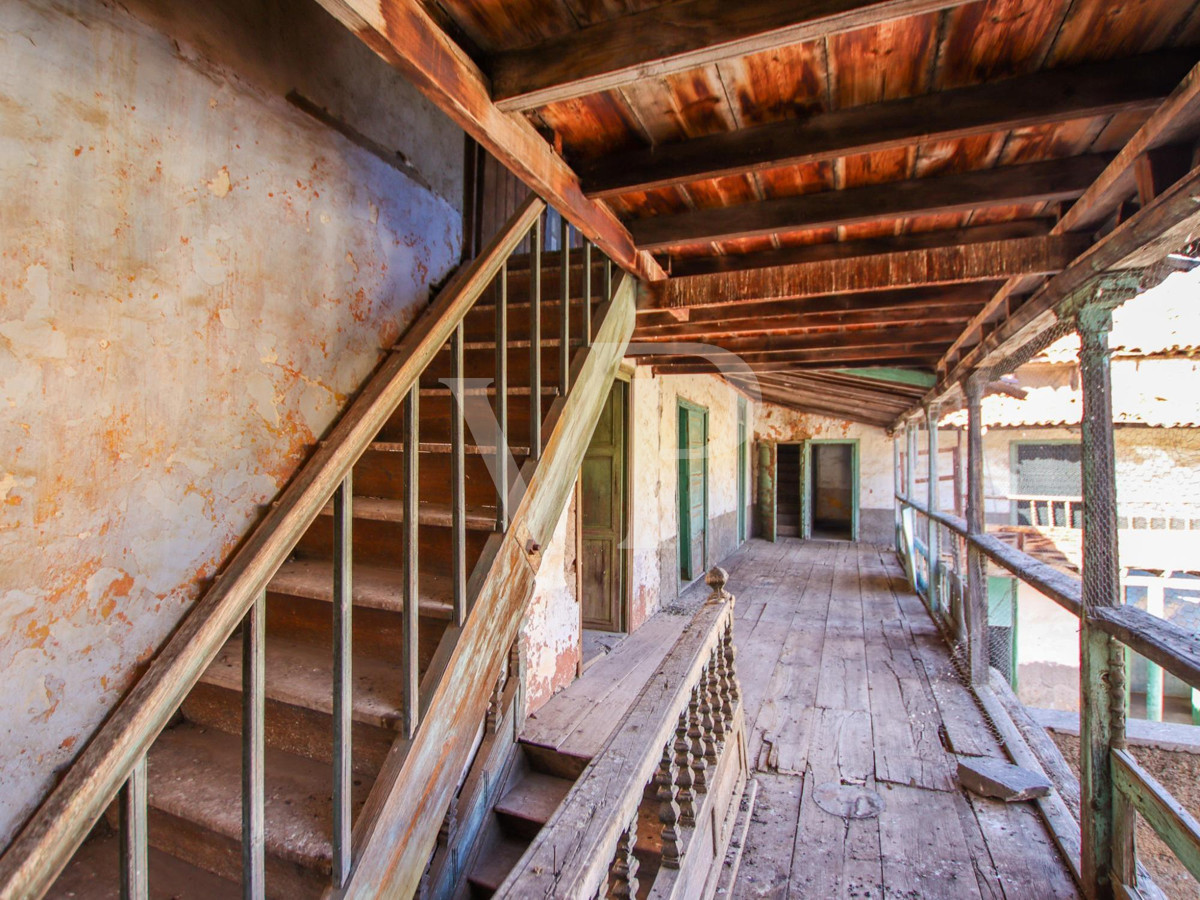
(1165,643)
(116,754)
(685,733)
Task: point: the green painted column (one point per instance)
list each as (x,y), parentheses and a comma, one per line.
(1107,837)
(933,537)
(975,609)
(1154,672)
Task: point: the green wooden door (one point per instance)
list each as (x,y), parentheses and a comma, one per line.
(766,491)
(603,516)
(693,490)
(743,475)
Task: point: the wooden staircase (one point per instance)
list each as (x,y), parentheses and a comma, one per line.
(195,767)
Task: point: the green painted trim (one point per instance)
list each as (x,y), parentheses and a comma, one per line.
(915,377)
(683,409)
(743,471)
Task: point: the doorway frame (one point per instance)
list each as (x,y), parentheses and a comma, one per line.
(743,471)
(624,375)
(683,405)
(806,511)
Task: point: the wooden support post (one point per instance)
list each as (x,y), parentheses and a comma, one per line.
(910,491)
(254,688)
(933,536)
(1154,672)
(410,652)
(1101,658)
(343,681)
(975,609)
(897,476)
(134,837)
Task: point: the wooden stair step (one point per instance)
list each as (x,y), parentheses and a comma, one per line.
(441,448)
(373,586)
(195,776)
(382,509)
(530,803)
(93,874)
(300,673)
(495,863)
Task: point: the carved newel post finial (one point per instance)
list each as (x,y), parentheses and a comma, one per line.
(716,579)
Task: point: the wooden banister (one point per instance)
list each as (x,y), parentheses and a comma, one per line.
(45,845)
(690,703)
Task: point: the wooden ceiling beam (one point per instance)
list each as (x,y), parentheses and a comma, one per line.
(913,268)
(1058,179)
(826,341)
(809,323)
(677,37)
(895,404)
(848,413)
(790,256)
(822,357)
(919,357)
(404,34)
(931,298)
(1059,95)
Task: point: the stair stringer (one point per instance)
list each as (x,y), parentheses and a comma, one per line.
(399,826)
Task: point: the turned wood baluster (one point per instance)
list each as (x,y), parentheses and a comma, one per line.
(735,689)
(728,680)
(683,771)
(668,807)
(715,700)
(707,726)
(622,874)
(696,745)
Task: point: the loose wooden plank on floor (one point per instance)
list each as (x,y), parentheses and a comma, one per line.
(924,852)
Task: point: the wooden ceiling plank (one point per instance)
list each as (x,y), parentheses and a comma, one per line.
(1042,98)
(677,37)
(914,268)
(404,34)
(919,359)
(876,401)
(1052,180)
(832,403)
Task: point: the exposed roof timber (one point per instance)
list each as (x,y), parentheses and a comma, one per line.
(912,268)
(833,341)
(850,412)
(676,37)
(895,376)
(1176,119)
(917,357)
(821,391)
(832,378)
(405,35)
(915,354)
(927,298)
(925,240)
(958,314)
(1028,100)
(1058,179)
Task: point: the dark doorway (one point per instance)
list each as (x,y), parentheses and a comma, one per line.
(832,491)
(602,501)
(787,491)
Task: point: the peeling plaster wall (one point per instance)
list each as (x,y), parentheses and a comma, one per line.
(875,460)
(654,518)
(194,277)
(551,634)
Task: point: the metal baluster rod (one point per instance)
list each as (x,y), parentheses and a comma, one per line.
(502,400)
(254,831)
(564,294)
(134,838)
(458,482)
(409,655)
(535,343)
(343,698)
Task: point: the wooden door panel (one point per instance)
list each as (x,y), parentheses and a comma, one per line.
(602,515)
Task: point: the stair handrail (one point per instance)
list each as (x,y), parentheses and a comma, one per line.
(677,733)
(115,755)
